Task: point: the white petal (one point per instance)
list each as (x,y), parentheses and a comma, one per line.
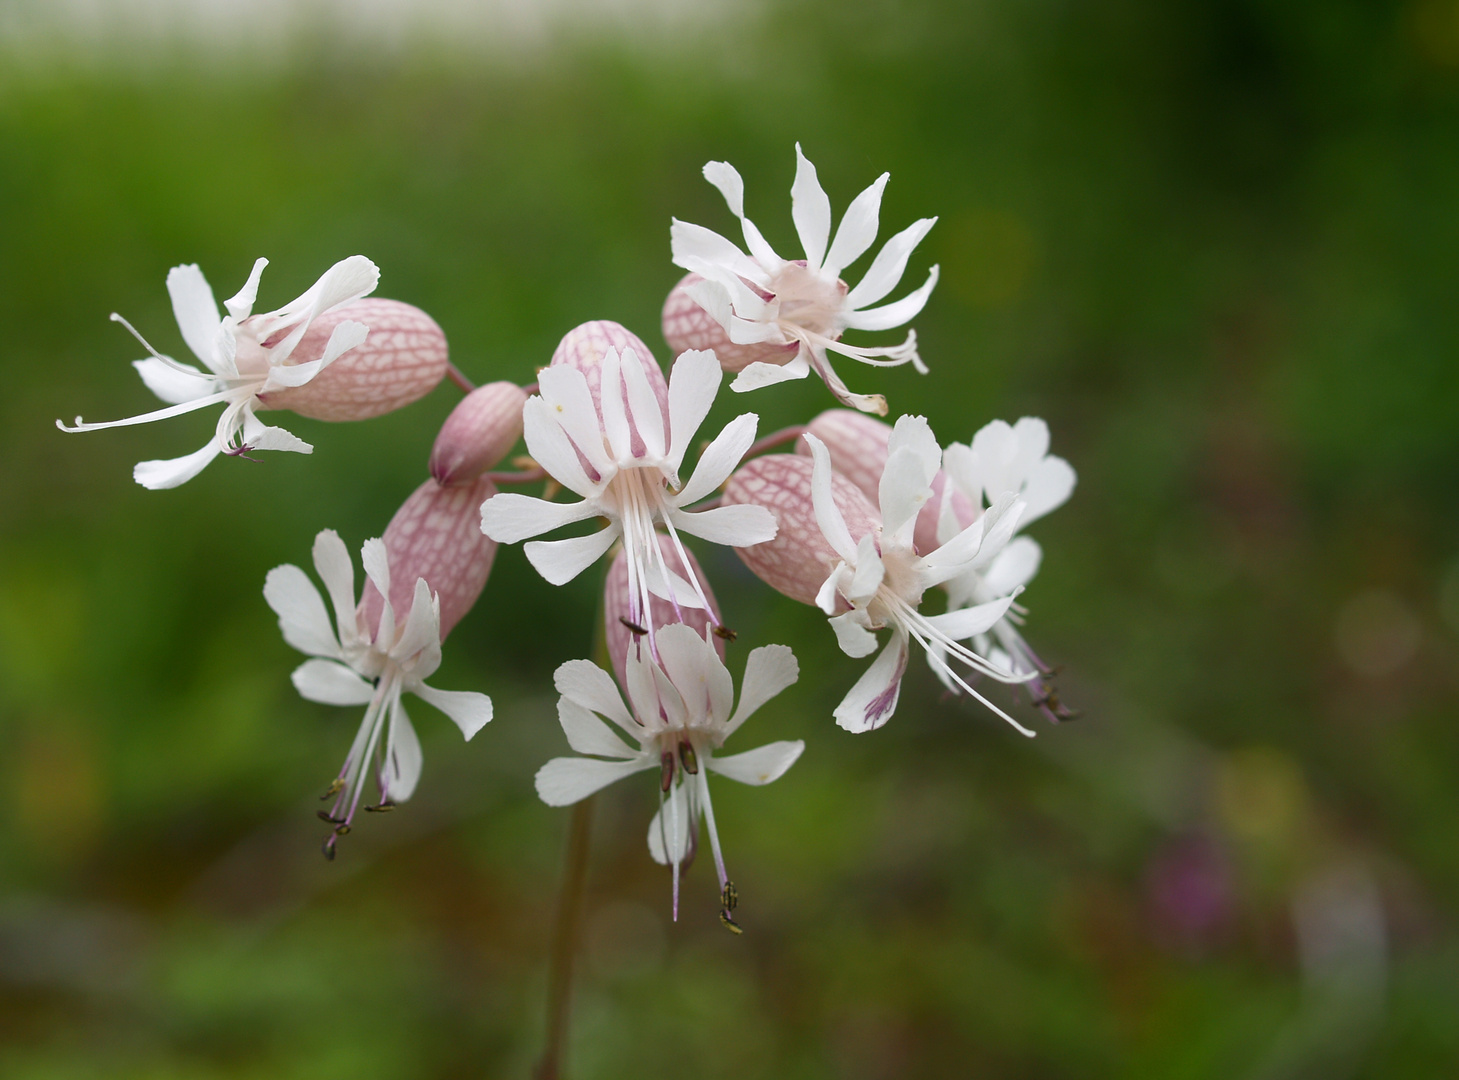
(1014,567)
(565,391)
(966,622)
(566,780)
(888,266)
(810,209)
(694,248)
(857,229)
(241,305)
(376,560)
(770,669)
(726,178)
(1048,487)
(549,445)
(302,618)
(673,588)
(509,518)
(174,383)
(157,475)
(344,337)
(894,314)
(869,574)
(828,516)
(610,401)
(586,734)
(259,436)
(331,683)
(852,635)
(643,403)
(403,758)
(422,625)
(871,702)
(693,383)
(829,594)
(696,672)
(559,561)
(672,823)
(762,765)
(742,525)
(753,376)
(720,458)
(196,311)
(471,711)
(332,563)
(591,687)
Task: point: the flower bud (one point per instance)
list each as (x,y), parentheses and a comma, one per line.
(689,326)
(481,430)
(858,447)
(622,633)
(583,347)
(799,559)
(402,360)
(435,535)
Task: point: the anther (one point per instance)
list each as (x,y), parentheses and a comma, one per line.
(328,848)
(688,757)
(325,815)
(729,896)
(725,633)
(729,923)
(633,626)
(666,771)
(341,830)
(383,808)
(335,787)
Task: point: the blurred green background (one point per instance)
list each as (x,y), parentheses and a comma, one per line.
(1215,244)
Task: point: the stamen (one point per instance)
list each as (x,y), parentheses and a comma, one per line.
(666,771)
(725,633)
(634,627)
(688,758)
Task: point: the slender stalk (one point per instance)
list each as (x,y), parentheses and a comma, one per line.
(565,941)
(456,376)
(776,438)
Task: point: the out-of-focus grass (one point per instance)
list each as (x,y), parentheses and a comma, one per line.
(1214,245)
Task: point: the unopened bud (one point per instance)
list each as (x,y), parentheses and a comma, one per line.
(858,447)
(799,559)
(481,430)
(436,534)
(689,326)
(401,360)
(623,632)
(583,347)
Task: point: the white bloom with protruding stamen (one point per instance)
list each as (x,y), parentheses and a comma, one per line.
(245,355)
(681,710)
(761,298)
(370,666)
(625,464)
(883,578)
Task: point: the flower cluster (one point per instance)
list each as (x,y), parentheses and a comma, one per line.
(863,519)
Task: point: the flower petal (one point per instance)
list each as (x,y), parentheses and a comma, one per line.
(893,314)
(770,669)
(762,765)
(559,561)
(302,618)
(755,375)
(696,672)
(332,563)
(693,383)
(422,625)
(828,515)
(852,635)
(693,247)
(259,436)
(643,403)
(857,229)
(888,266)
(1014,567)
(241,305)
(470,710)
(174,383)
(590,686)
(196,312)
(157,475)
(965,622)
(548,443)
(566,780)
(671,832)
(331,683)
(586,734)
(871,702)
(401,769)
(610,402)
(742,525)
(810,209)
(1047,488)
(565,391)
(720,458)
(509,518)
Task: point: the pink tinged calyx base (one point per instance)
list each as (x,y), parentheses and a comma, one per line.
(479,433)
(626,636)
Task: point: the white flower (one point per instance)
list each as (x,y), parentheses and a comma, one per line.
(682,711)
(245,355)
(1007,459)
(625,464)
(883,578)
(359,667)
(762,298)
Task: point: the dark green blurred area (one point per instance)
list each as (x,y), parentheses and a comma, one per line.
(1216,245)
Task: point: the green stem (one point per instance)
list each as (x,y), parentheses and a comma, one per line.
(565,941)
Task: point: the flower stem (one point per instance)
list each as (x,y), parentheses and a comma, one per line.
(565,941)
(456,376)
(777,438)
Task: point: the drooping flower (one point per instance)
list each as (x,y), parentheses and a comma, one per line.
(1003,459)
(873,577)
(681,711)
(778,318)
(285,359)
(621,450)
(368,661)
